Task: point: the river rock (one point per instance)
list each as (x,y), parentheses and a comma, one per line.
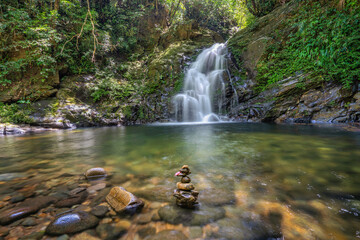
(10,176)
(195,232)
(217,197)
(96,187)
(242,229)
(123,201)
(191,217)
(72,200)
(185,186)
(34,236)
(63,237)
(71,222)
(84,236)
(30,221)
(107,231)
(185,179)
(144,218)
(147,231)
(17,198)
(25,209)
(168,235)
(100,197)
(100,211)
(95,173)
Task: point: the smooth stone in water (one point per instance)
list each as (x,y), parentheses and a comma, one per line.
(191,217)
(144,218)
(71,223)
(217,197)
(185,179)
(185,186)
(33,236)
(17,198)
(168,235)
(108,232)
(10,176)
(95,173)
(30,221)
(246,229)
(100,197)
(26,208)
(100,211)
(63,237)
(123,201)
(96,187)
(195,232)
(84,236)
(72,200)
(147,231)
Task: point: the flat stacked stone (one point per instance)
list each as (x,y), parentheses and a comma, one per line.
(185,195)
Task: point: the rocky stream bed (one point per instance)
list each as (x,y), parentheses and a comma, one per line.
(255,181)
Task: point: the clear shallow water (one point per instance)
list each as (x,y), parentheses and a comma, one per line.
(302,179)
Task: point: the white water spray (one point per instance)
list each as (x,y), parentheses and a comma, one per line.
(204,88)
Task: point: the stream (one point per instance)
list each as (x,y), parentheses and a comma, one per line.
(256,181)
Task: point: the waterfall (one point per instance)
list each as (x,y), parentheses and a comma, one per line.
(203,95)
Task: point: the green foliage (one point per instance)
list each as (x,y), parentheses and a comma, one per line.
(259,8)
(33,35)
(122,23)
(324,44)
(14,114)
(26,41)
(107,87)
(219,16)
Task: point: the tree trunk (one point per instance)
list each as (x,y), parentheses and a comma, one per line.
(57,5)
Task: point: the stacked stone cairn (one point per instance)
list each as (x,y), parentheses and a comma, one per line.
(185,195)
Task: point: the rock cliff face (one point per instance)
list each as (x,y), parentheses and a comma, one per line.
(297,99)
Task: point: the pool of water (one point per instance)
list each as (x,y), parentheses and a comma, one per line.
(270,181)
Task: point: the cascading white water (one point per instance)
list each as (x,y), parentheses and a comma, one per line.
(204,88)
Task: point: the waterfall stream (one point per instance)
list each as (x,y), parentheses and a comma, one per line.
(203,95)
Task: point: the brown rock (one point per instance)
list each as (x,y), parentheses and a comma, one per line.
(185,179)
(95,173)
(72,200)
(24,209)
(123,201)
(96,187)
(185,186)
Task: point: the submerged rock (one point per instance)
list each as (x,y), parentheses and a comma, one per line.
(123,201)
(72,200)
(193,217)
(71,223)
(217,197)
(168,235)
(10,176)
(30,221)
(25,209)
(100,211)
(247,229)
(107,231)
(17,198)
(95,173)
